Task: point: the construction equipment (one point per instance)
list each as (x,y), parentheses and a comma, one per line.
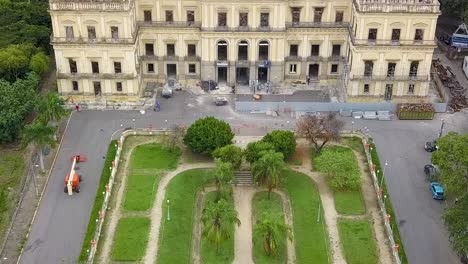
(459,38)
(72,180)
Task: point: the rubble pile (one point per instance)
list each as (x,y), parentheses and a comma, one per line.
(458,99)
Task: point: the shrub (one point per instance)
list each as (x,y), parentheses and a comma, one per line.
(231,154)
(208,134)
(284,141)
(254,150)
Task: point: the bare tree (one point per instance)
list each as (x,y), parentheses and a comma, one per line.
(320,130)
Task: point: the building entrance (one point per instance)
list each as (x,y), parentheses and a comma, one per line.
(262,74)
(313,71)
(222,75)
(242,76)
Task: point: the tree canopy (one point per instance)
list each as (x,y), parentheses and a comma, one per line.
(284,141)
(319,130)
(456,8)
(208,134)
(231,154)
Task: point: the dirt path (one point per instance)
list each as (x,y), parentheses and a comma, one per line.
(328,204)
(197,229)
(370,199)
(156,212)
(289,221)
(243,233)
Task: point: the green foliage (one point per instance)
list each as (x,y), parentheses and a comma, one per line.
(349,202)
(98,200)
(51,108)
(452,160)
(39,134)
(223,177)
(140,192)
(39,63)
(455,8)
(208,134)
(284,141)
(255,149)
(154,156)
(357,239)
(272,228)
(268,168)
(456,217)
(230,153)
(131,237)
(14,61)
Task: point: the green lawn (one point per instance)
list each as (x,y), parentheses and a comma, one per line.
(208,254)
(311,239)
(355,143)
(274,206)
(358,242)
(338,160)
(131,238)
(154,156)
(140,191)
(176,235)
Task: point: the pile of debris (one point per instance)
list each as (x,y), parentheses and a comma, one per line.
(458,99)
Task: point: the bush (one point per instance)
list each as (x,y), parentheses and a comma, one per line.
(284,141)
(208,134)
(231,154)
(254,150)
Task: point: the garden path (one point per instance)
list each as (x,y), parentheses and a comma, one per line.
(243,233)
(197,229)
(289,221)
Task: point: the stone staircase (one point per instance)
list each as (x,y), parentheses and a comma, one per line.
(243,178)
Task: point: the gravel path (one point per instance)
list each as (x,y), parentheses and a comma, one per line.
(197,229)
(243,233)
(289,221)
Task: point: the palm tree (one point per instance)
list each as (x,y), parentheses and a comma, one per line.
(39,134)
(218,218)
(223,177)
(267,169)
(272,229)
(51,108)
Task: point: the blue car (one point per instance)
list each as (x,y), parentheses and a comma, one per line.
(437,191)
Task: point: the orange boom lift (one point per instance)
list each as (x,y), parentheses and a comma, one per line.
(72,180)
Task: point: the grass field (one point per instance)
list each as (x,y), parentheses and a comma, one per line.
(358,242)
(140,192)
(349,202)
(154,156)
(131,237)
(175,239)
(274,206)
(225,254)
(355,143)
(311,240)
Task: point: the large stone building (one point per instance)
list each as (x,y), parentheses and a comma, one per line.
(377,49)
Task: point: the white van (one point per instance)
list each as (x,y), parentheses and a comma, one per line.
(465,66)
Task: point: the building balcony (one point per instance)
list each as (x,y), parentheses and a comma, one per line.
(173,24)
(397,6)
(81,40)
(149,58)
(96,76)
(293,58)
(192,58)
(243,63)
(170,58)
(316,58)
(317,25)
(100,5)
(390,78)
(242,29)
(389,42)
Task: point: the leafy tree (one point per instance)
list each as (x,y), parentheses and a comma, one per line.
(272,229)
(51,108)
(320,130)
(456,218)
(208,134)
(231,154)
(40,135)
(223,177)
(455,8)
(254,149)
(268,168)
(218,218)
(284,141)
(39,63)
(14,61)
(16,101)
(452,160)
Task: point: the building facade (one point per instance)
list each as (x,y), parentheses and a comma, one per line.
(377,49)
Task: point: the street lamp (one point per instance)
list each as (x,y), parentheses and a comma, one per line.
(352,126)
(384,197)
(441,127)
(168,210)
(165,122)
(133,123)
(383,174)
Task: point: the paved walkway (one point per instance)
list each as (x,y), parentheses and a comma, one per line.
(243,233)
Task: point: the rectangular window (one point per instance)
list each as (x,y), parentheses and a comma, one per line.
(192,68)
(391,69)
(95,66)
(150,67)
(292,68)
(368,68)
(170,49)
(97,88)
(336,50)
(366,88)
(149,49)
(396,35)
(191,16)
(69,32)
(169,16)
(419,35)
(115,32)
(334,68)
(318,12)
(222,19)
(191,50)
(118,86)
(117,67)
(411,89)
(293,50)
(372,36)
(147,16)
(91,32)
(296,15)
(75,85)
(73,68)
(414,68)
(264,19)
(339,16)
(315,50)
(243,19)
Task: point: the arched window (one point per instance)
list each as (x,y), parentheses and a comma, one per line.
(222,50)
(263,48)
(243,50)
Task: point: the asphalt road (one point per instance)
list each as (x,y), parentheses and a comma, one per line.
(61,221)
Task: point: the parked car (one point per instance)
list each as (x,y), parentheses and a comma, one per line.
(221,100)
(437,191)
(432,172)
(431,146)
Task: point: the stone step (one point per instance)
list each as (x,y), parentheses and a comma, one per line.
(244,178)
